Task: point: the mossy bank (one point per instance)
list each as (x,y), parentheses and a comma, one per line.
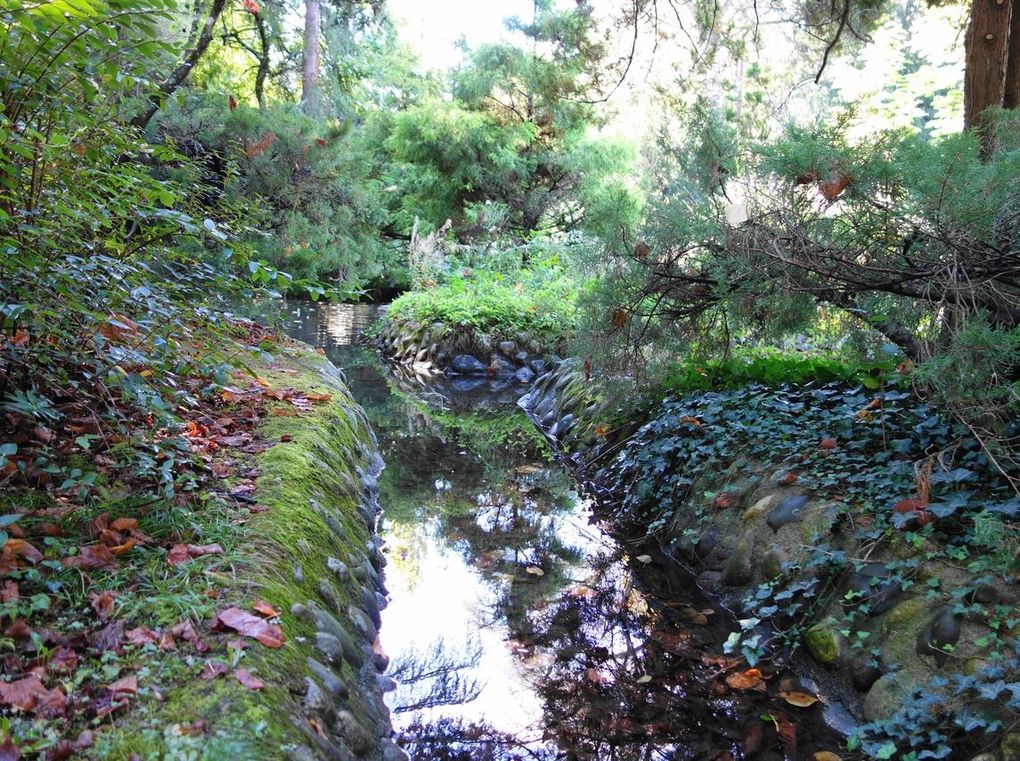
(311,552)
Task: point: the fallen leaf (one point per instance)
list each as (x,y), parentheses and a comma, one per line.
(29,694)
(534,570)
(103,603)
(124,524)
(63,661)
(120,549)
(127,685)
(799,699)
(317,397)
(110,636)
(724,501)
(18,629)
(265,609)
(745,680)
(213,668)
(21,550)
(199,550)
(22,693)
(186,631)
(827,443)
(249,680)
(92,557)
(141,636)
(251,626)
(10,592)
(178,554)
(826,755)
(674,642)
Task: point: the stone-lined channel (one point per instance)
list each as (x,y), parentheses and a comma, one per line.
(516,627)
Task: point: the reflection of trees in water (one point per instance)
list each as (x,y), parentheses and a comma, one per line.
(436,677)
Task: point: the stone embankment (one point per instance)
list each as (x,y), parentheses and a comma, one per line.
(461,352)
(883,622)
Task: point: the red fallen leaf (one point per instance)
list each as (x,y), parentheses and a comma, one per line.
(670,641)
(198,550)
(788,478)
(166,642)
(212,669)
(110,538)
(232,103)
(27,694)
(787,732)
(178,554)
(127,685)
(118,328)
(141,636)
(98,524)
(10,592)
(92,557)
(313,397)
(63,661)
(724,500)
(186,631)
(18,629)
(251,626)
(102,603)
(265,609)
(829,443)
(286,437)
(248,679)
(20,338)
(19,549)
(124,524)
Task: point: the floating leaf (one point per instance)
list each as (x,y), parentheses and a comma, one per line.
(799,699)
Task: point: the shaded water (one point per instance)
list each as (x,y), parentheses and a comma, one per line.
(517,628)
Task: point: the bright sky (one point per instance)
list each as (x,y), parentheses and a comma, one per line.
(433,27)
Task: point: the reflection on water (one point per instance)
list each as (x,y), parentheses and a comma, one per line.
(515,628)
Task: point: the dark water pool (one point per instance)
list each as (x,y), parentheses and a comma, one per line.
(516,627)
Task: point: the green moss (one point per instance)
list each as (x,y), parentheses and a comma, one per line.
(307,482)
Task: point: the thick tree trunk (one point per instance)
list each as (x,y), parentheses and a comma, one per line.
(310,62)
(992,73)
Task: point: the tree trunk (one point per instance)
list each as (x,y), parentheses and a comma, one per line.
(310,62)
(260,77)
(177,77)
(992,73)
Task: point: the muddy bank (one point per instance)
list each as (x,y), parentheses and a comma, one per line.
(812,541)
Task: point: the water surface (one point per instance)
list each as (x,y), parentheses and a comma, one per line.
(516,627)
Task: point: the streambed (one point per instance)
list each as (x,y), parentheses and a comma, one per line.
(517,627)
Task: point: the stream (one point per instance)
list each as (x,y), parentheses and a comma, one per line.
(517,627)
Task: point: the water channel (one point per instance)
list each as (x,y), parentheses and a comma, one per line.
(517,628)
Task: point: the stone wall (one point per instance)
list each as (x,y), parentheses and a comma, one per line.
(763,528)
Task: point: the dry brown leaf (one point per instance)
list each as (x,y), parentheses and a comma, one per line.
(826,755)
(249,680)
(124,524)
(141,636)
(92,557)
(799,699)
(745,680)
(103,603)
(264,608)
(124,686)
(213,668)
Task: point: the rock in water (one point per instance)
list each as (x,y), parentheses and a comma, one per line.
(465,364)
